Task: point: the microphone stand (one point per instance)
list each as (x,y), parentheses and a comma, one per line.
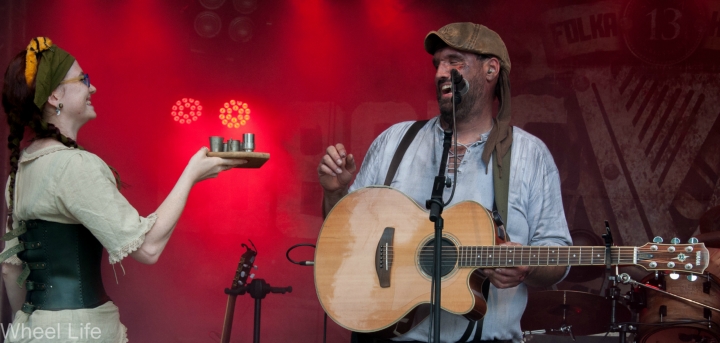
(436,205)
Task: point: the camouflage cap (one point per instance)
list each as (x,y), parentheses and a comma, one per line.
(469,37)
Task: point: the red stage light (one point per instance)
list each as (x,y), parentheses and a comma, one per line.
(234,114)
(186,110)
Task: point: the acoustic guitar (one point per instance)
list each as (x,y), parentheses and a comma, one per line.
(374,256)
(246,263)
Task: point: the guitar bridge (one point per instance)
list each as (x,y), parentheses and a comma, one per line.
(383,257)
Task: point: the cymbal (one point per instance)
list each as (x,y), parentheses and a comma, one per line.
(711,239)
(587,313)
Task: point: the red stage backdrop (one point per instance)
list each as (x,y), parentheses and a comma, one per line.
(624,93)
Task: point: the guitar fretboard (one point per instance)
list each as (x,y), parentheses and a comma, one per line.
(512,256)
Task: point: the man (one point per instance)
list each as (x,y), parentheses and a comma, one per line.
(535,214)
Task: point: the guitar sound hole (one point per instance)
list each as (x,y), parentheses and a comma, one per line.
(449,257)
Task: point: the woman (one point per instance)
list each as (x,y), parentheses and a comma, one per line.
(64,205)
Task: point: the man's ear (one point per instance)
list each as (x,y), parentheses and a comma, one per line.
(492,67)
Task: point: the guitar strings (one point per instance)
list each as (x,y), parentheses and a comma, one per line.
(467,254)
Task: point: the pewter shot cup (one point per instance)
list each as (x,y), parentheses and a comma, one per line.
(225,147)
(248,142)
(234,145)
(216,143)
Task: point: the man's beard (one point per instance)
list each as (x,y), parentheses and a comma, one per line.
(463,110)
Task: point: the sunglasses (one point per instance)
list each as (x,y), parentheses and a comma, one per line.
(84,78)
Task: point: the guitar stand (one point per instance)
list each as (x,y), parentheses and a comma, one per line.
(257,289)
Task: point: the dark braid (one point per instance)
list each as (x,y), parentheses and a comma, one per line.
(17,100)
(16,135)
(44,129)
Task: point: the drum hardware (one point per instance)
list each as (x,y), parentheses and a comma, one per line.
(565,329)
(707,313)
(668,317)
(570,313)
(613,292)
(625,278)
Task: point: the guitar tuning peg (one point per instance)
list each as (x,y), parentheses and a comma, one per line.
(692,277)
(240,283)
(252,276)
(657,239)
(693,240)
(255,267)
(674,275)
(675,240)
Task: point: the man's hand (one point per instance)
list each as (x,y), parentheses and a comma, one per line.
(507,277)
(335,172)
(336,169)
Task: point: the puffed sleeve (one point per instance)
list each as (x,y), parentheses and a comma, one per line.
(86,191)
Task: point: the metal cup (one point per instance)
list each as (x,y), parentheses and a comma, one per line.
(233,145)
(224,148)
(216,143)
(248,142)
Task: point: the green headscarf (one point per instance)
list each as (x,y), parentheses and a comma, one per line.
(52,69)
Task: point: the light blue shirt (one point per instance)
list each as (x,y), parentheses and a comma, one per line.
(535,211)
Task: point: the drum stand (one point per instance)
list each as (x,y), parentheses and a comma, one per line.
(257,289)
(564,327)
(613,292)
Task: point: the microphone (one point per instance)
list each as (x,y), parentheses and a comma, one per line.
(461,85)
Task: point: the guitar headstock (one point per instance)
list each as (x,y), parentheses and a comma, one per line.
(246,263)
(686,258)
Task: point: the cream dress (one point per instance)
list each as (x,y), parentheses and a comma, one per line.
(73,186)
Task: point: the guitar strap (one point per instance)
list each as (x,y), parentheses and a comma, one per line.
(469,330)
(400,152)
(501,183)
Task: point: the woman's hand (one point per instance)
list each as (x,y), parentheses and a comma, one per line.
(201,167)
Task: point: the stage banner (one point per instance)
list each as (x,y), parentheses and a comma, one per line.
(657,32)
(577,30)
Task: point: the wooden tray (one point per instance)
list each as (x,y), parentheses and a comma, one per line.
(255,159)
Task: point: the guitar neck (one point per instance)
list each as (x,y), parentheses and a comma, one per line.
(227,323)
(512,256)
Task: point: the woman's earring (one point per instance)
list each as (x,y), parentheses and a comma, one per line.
(58,108)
